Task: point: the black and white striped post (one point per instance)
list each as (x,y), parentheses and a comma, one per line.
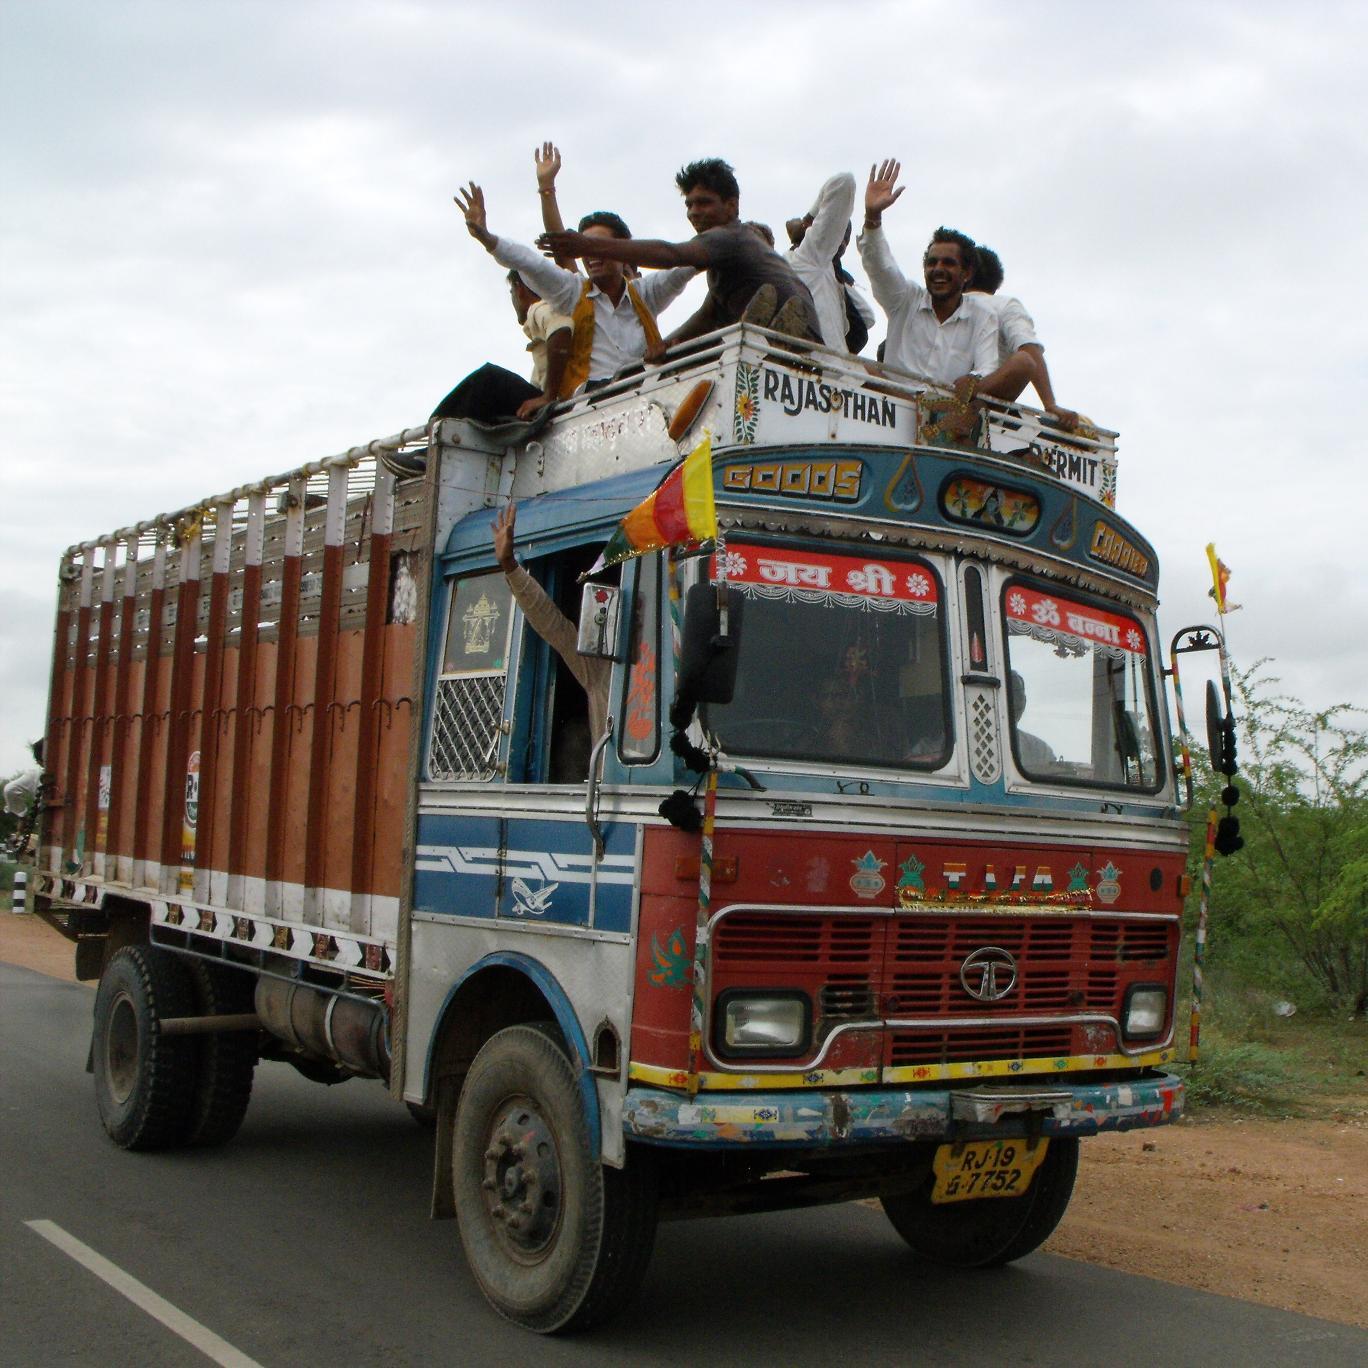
(19,890)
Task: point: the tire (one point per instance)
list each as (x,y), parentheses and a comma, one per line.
(555,1240)
(988,1232)
(144,1081)
(225,1061)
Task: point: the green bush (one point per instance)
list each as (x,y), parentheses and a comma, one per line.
(1243,1075)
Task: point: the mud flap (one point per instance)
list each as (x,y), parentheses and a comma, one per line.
(443,1199)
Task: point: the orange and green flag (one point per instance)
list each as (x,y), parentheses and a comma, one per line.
(679,513)
(1220,578)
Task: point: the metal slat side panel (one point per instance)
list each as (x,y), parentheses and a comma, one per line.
(372,669)
(174,772)
(143,848)
(76,717)
(119,862)
(100,738)
(249,634)
(324,698)
(214,716)
(56,733)
(287,642)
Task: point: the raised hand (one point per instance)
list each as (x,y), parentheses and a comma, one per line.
(880,193)
(564,244)
(505,527)
(471,203)
(548,163)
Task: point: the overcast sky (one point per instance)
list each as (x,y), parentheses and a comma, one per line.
(227,243)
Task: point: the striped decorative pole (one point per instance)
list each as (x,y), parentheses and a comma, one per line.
(1199,951)
(19,890)
(698,1003)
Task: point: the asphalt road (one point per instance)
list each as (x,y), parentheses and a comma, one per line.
(306,1241)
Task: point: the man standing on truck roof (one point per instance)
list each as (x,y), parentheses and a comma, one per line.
(549,623)
(1016,338)
(748,281)
(934,330)
(614,320)
(819,240)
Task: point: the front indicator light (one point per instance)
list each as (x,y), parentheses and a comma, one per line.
(1146,1010)
(764,1023)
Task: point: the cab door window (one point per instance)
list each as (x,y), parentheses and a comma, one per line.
(1080,691)
(469,698)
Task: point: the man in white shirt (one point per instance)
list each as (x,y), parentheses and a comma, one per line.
(819,238)
(1018,345)
(613,319)
(933,330)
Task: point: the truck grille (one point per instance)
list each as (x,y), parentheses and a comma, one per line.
(870,968)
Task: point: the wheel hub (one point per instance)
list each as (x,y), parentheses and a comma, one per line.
(522,1181)
(121,1049)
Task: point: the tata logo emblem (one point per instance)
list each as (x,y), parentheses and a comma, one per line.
(989,974)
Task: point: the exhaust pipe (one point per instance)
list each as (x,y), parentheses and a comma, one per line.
(350,1033)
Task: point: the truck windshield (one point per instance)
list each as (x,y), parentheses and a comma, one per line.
(1079,682)
(842,659)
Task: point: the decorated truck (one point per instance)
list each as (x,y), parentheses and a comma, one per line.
(867,884)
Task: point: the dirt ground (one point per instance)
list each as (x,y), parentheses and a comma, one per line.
(1270,1211)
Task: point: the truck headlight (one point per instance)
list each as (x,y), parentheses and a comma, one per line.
(758,1022)
(1146,1010)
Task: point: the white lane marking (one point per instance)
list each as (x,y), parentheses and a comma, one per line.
(190,1330)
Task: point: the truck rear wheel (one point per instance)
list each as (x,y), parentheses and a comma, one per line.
(225,1060)
(988,1232)
(143,1079)
(555,1240)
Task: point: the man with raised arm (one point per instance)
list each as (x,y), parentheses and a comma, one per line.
(549,623)
(933,330)
(1015,334)
(819,240)
(614,321)
(747,279)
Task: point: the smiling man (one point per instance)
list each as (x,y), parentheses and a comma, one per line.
(747,279)
(933,330)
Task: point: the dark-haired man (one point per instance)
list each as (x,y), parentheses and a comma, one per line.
(614,321)
(1016,337)
(747,279)
(932,330)
(819,241)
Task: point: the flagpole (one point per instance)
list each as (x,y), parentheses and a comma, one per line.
(1209,851)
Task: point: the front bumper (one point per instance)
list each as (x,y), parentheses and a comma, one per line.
(882,1115)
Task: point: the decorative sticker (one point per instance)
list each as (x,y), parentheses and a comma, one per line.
(990,505)
(672,961)
(1051,617)
(747,408)
(892,586)
(910,883)
(867,882)
(1078,878)
(1109,883)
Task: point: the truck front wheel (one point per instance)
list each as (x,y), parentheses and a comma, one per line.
(144,1080)
(991,1231)
(555,1240)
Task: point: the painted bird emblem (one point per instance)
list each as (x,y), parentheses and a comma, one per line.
(528,903)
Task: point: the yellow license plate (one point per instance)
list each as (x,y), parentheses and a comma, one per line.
(985,1168)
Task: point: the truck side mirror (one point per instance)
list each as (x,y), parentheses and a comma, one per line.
(708,649)
(1220,732)
(598,621)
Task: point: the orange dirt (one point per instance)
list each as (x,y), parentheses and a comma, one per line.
(1270,1211)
